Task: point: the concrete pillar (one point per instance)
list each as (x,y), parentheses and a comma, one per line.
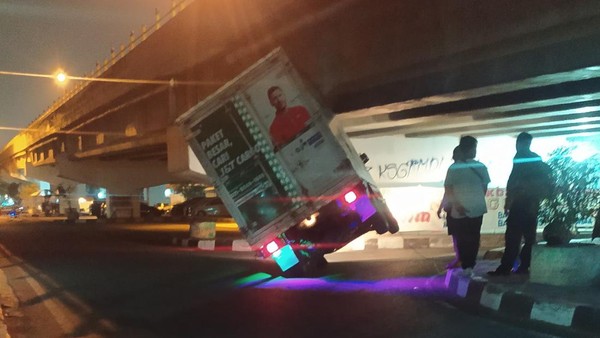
(123,206)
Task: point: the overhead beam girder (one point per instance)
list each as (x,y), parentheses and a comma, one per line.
(119,177)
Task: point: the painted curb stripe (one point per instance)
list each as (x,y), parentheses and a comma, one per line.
(491,298)
(516,305)
(463,287)
(553,313)
(476,288)
(587,318)
(211,244)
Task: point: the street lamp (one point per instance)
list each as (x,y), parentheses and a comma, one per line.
(61,77)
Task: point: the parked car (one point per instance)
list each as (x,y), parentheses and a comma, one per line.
(149,211)
(210,206)
(98,208)
(180,209)
(12,211)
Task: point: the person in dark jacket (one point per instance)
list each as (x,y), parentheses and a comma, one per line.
(522,206)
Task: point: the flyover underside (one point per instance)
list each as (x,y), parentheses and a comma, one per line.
(535,59)
(546,90)
(409,67)
(400,67)
(363,58)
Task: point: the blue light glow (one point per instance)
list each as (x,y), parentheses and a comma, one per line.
(285,258)
(8,202)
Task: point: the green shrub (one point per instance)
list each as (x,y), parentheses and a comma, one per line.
(577,194)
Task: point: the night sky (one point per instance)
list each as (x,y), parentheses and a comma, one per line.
(41,36)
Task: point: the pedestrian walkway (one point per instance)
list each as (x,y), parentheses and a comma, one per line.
(8,300)
(515,296)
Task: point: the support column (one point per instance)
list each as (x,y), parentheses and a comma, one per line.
(123,206)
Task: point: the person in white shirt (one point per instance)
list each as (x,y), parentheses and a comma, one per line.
(465,188)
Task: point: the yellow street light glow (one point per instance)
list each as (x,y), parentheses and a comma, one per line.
(61,77)
(171,82)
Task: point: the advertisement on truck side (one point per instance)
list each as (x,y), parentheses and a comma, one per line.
(267,145)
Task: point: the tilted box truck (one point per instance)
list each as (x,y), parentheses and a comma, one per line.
(296,188)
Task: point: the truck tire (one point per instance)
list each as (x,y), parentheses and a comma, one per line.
(393,227)
(379,224)
(380,228)
(383,224)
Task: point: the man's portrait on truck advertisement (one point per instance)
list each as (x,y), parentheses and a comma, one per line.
(289,121)
(290,117)
(281,109)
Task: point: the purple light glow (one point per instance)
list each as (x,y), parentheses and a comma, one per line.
(394,285)
(363,207)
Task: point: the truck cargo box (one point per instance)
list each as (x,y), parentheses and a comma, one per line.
(266,142)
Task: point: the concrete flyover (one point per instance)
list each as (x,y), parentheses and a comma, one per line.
(414,67)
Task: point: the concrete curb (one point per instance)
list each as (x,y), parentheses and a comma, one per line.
(410,240)
(381,242)
(478,290)
(395,241)
(7,300)
(212,244)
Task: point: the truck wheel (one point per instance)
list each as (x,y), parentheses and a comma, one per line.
(381,224)
(393,227)
(380,229)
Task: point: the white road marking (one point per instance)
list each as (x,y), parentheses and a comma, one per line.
(66,309)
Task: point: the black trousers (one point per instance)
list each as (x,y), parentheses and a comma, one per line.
(467,232)
(520,224)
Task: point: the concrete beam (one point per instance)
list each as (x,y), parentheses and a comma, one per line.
(120,176)
(50,174)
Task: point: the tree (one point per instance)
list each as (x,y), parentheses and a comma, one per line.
(28,189)
(576,196)
(12,190)
(190,190)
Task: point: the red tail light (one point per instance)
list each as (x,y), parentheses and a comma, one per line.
(272,247)
(281,252)
(350,197)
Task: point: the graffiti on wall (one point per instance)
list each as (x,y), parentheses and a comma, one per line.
(420,217)
(410,168)
(495,198)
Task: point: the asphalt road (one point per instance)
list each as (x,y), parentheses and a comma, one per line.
(126,280)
